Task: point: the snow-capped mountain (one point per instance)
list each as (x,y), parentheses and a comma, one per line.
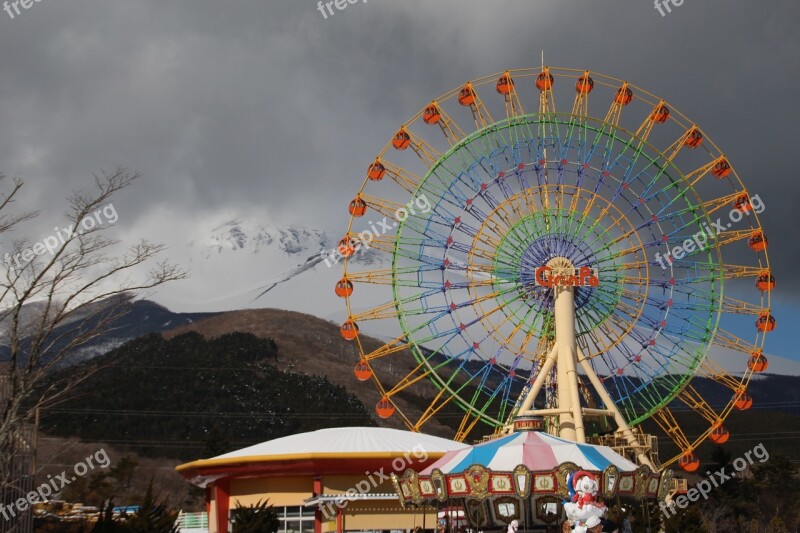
(242,264)
(234,235)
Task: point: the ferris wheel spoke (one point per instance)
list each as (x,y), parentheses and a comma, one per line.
(524,322)
(710,369)
(500,395)
(480,115)
(688,181)
(695,401)
(407,180)
(394,346)
(468,423)
(435,115)
(666,420)
(726,339)
(700,213)
(441,400)
(404,276)
(388,309)
(726,304)
(419,373)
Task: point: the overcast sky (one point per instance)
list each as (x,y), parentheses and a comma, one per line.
(264,107)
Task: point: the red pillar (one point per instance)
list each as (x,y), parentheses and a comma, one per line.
(222,499)
(318,511)
(339,520)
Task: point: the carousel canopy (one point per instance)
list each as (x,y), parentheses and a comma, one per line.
(537,451)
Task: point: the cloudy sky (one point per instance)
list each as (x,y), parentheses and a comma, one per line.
(264,108)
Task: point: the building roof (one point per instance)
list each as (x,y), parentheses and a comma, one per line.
(351,440)
(320,448)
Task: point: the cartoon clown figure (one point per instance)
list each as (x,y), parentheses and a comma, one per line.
(583,509)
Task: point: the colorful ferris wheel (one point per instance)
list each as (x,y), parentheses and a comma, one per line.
(574,266)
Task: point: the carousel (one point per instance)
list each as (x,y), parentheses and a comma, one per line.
(533,478)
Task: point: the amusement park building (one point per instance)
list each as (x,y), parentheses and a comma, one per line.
(306,477)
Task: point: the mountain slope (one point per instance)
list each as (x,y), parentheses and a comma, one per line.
(312,345)
(175,397)
(141,318)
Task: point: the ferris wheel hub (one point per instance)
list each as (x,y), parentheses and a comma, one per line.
(561,266)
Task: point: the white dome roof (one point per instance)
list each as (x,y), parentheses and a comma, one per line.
(356,440)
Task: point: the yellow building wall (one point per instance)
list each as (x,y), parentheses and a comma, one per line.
(385,515)
(293,490)
(281,491)
(212,514)
(339,484)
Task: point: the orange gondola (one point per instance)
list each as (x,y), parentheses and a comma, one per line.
(349,330)
(694,138)
(347,247)
(660,114)
(362,371)
(585,84)
(505,84)
(544,81)
(384,408)
(358,207)
(624,95)
(721,168)
(466,96)
(765,282)
(765,322)
(743,402)
(376,171)
(757,241)
(757,362)
(344,288)
(402,139)
(689,462)
(720,435)
(432,114)
(742,203)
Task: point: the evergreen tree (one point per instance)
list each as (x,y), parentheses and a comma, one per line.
(258,518)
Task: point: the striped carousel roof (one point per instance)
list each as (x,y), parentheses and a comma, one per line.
(537,451)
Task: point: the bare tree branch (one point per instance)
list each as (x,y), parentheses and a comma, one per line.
(51,306)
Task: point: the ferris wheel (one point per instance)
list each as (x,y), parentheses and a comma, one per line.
(609,248)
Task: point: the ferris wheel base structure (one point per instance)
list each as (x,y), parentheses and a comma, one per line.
(565,356)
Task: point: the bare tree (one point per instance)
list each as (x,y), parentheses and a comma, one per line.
(54,303)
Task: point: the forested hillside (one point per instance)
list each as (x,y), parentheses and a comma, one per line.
(188,397)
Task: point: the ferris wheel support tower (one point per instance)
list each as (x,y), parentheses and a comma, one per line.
(562,277)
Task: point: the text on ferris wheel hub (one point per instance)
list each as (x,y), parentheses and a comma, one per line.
(584,277)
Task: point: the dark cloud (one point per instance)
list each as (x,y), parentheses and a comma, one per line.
(264,105)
